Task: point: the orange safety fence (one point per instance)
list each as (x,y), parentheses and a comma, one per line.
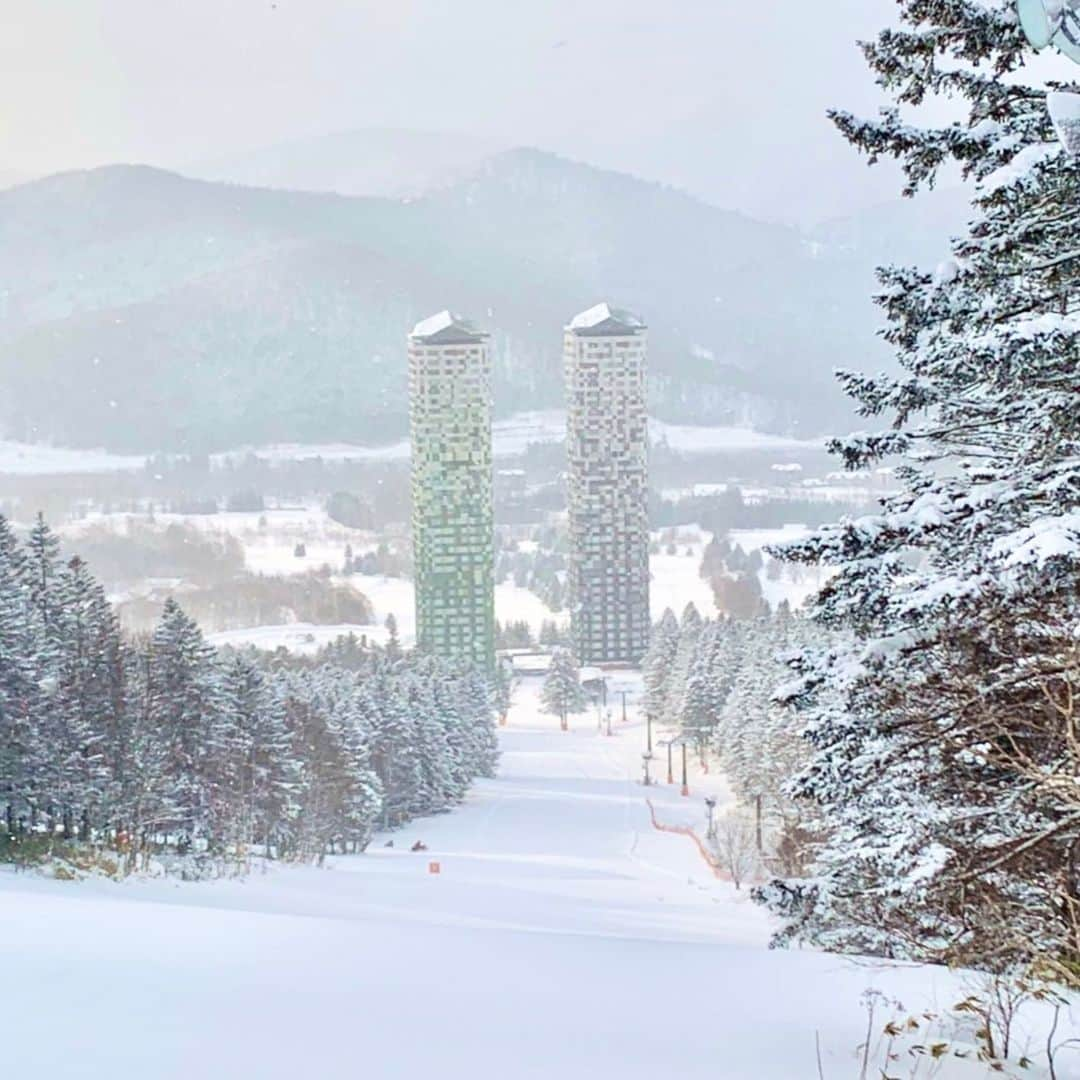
(686,830)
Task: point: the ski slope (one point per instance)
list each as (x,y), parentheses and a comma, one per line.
(565,937)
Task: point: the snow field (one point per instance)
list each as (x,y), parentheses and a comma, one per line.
(512,436)
(269,540)
(565,937)
(676,579)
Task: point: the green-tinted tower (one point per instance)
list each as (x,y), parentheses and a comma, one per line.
(453,516)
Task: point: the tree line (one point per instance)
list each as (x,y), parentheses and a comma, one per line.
(711,683)
(164,744)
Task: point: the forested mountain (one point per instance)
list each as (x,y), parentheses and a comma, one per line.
(390,162)
(143,310)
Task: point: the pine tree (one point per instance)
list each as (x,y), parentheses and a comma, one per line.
(86,704)
(941,732)
(22,778)
(474,690)
(393,644)
(12,555)
(658,664)
(386,718)
(41,568)
(502,691)
(262,770)
(184,706)
(700,710)
(562,694)
(689,632)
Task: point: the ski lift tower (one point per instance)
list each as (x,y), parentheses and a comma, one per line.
(1056,23)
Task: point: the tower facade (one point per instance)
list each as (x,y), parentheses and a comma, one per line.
(453,517)
(607,438)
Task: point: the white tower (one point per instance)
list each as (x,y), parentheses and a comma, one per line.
(607,442)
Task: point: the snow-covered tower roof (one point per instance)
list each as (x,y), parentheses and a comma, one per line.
(446,328)
(603,320)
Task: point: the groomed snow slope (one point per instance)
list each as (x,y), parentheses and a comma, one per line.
(565,938)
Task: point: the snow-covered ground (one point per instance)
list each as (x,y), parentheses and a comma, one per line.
(513,435)
(689,439)
(269,540)
(37,459)
(388,596)
(564,937)
(676,579)
(792,582)
(304,639)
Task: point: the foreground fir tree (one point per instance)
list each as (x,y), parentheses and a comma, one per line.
(947,751)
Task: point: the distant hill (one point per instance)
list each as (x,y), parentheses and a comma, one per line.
(381,162)
(143,310)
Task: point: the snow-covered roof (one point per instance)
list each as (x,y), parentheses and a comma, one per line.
(603,320)
(446,328)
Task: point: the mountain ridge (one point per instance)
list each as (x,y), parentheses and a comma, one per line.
(251,314)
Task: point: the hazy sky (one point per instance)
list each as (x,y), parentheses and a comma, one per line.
(723,97)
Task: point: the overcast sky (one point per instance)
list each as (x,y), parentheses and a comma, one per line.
(723,97)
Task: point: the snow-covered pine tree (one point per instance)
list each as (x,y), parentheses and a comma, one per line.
(393,643)
(759,741)
(474,693)
(502,691)
(689,632)
(12,554)
(657,666)
(264,770)
(698,715)
(439,738)
(84,705)
(184,716)
(944,759)
(356,794)
(562,693)
(41,568)
(22,777)
(388,721)
(711,685)
(109,675)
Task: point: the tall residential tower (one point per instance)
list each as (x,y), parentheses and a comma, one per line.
(453,518)
(607,441)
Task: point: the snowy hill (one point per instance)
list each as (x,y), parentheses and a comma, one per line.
(149,311)
(565,936)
